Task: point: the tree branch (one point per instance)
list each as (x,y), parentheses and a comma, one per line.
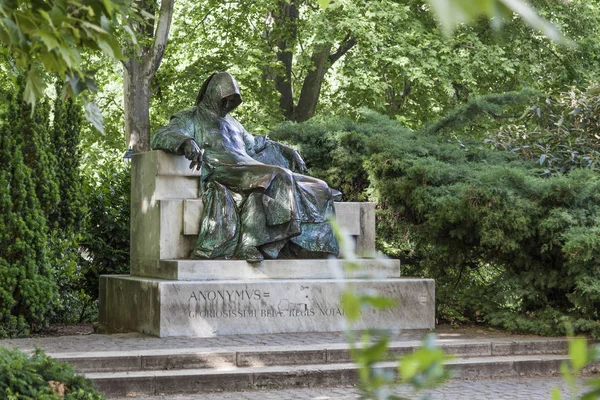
(160,36)
(125,64)
(203,19)
(506,116)
(348,42)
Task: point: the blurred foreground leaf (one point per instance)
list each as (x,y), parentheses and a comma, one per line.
(452,13)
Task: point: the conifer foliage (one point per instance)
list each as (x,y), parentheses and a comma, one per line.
(506,245)
(42,215)
(40,377)
(69,214)
(67,220)
(27,287)
(33,135)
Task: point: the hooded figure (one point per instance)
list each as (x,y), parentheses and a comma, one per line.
(256,201)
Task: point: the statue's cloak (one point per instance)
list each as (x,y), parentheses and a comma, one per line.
(250,195)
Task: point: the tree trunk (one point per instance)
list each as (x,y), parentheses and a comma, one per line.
(284,35)
(139,72)
(136,89)
(311,88)
(322,60)
(286,32)
(395,101)
(283,84)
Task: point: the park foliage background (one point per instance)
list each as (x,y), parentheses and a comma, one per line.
(481,149)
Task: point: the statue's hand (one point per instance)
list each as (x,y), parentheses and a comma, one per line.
(193,153)
(297,162)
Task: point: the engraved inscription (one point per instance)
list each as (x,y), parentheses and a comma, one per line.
(228,295)
(255,303)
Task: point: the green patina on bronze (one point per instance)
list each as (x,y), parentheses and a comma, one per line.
(256,200)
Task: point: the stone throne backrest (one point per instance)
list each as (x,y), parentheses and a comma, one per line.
(166,207)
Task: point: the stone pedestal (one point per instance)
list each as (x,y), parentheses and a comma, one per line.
(231,307)
(168,295)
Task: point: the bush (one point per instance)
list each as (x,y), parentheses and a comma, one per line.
(42,378)
(27,287)
(505,245)
(52,248)
(560,135)
(68,218)
(106,240)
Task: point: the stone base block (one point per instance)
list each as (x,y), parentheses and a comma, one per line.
(210,308)
(210,270)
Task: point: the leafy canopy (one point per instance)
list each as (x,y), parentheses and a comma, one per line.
(52,35)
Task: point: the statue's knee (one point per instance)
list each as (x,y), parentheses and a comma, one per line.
(285,174)
(322,184)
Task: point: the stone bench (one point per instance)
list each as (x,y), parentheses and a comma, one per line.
(166,209)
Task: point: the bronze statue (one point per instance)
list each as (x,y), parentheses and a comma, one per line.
(256,201)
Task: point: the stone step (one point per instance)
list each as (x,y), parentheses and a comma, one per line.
(331,353)
(231,379)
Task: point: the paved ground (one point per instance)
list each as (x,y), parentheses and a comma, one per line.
(137,341)
(535,388)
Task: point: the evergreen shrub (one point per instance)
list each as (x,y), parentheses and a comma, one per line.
(106,240)
(40,377)
(28,290)
(506,246)
(67,219)
(560,133)
(43,214)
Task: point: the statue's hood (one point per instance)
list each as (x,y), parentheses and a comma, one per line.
(218,86)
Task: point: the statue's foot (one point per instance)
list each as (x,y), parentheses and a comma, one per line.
(198,254)
(271,250)
(295,251)
(250,254)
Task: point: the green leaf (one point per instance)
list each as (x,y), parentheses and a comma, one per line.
(116,47)
(429,341)
(566,374)
(109,47)
(48,39)
(106,48)
(108,5)
(452,13)
(34,87)
(578,353)
(51,62)
(77,84)
(351,305)
(555,394)
(324,3)
(424,367)
(69,56)
(94,116)
(46,17)
(94,27)
(531,17)
(13,31)
(593,395)
(131,34)
(379,302)
(376,351)
(408,368)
